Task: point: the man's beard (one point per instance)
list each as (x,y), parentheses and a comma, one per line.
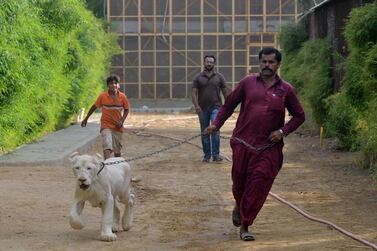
(209,68)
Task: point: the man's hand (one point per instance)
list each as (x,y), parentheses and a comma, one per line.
(275,136)
(119,124)
(84,122)
(210,129)
(198,109)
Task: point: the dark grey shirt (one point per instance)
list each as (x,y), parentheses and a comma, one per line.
(209,89)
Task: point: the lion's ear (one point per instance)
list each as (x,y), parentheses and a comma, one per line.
(73,156)
(99,157)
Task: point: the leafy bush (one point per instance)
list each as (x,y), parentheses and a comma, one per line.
(361,28)
(342,121)
(308,70)
(369,136)
(349,115)
(292,37)
(54,55)
(356,104)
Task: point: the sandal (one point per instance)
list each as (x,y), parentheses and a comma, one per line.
(236,218)
(247,236)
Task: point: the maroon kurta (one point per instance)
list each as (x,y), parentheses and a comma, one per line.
(262,111)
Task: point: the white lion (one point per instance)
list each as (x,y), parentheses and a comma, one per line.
(102,189)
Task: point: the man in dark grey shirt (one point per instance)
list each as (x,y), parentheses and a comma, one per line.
(206,88)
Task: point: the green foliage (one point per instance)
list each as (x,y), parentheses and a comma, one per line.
(308,70)
(368,133)
(342,121)
(292,37)
(369,136)
(64,15)
(352,114)
(97,7)
(361,29)
(349,115)
(54,55)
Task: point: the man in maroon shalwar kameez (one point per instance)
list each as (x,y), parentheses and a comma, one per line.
(263,100)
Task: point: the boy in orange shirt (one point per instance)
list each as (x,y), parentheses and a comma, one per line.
(112,103)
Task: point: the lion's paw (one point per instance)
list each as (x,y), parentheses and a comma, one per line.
(115,228)
(108,237)
(76,224)
(126,227)
(131,199)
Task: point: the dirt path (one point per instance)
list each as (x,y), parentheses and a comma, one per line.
(184,204)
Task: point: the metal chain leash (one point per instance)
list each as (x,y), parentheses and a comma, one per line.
(257,149)
(163,149)
(155,152)
(103,164)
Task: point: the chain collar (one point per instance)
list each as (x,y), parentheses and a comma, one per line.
(102,165)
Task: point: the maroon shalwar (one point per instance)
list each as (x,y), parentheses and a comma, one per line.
(262,112)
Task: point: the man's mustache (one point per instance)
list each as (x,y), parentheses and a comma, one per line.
(266,68)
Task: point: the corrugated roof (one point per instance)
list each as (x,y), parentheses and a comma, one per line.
(315,5)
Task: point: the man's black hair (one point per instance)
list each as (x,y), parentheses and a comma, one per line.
(269,51)
(210,56)
(112,78)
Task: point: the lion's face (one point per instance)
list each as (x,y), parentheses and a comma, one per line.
(85,169)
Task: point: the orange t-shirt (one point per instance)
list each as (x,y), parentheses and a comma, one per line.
(112,109)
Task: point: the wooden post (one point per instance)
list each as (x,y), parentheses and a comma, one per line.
(321,136)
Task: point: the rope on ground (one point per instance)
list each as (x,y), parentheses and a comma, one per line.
(341,230)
